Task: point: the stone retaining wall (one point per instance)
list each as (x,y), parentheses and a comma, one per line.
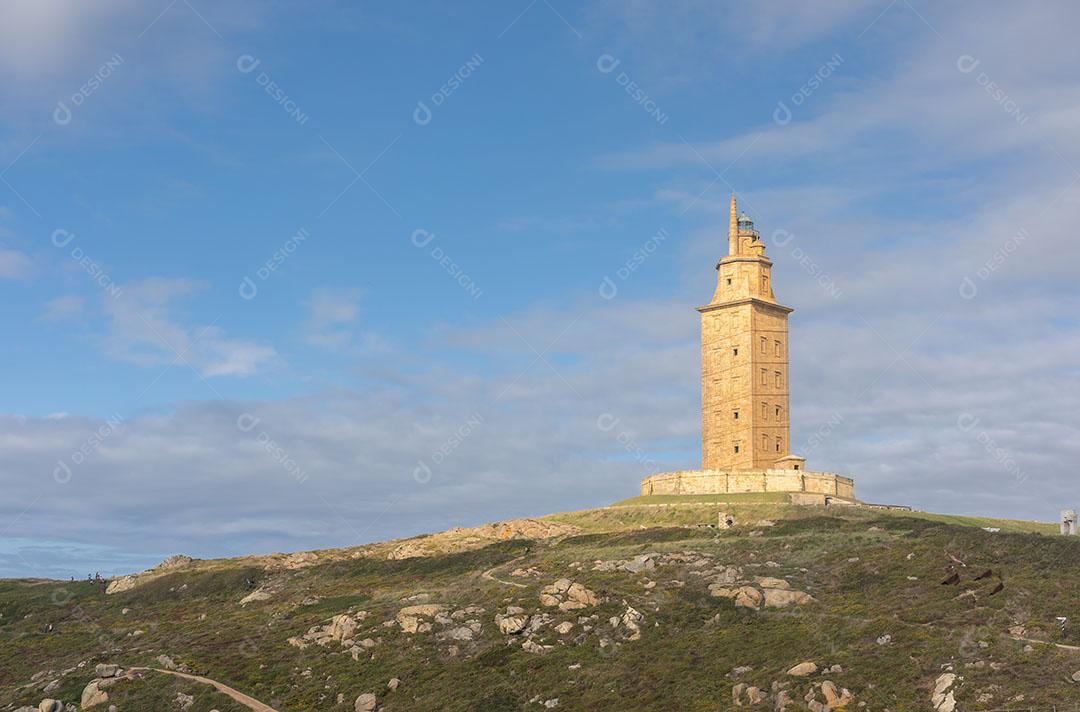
(730,482)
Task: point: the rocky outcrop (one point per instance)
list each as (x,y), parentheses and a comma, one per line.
(341,629)
(803,669)
(462,539)
(943,697)
(567,595)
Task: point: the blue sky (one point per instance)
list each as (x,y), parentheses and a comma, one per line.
(436,294)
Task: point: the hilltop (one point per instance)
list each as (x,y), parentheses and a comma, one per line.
(642,605)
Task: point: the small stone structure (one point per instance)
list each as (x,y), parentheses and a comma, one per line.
(1068,522)
(822,486)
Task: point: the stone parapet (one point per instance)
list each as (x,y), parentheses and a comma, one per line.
(740,481)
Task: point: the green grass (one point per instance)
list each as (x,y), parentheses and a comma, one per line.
(872,572)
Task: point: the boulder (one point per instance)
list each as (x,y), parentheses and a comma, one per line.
(781,598)
(255,596)
(748,597)
(578,593)
(119,585)
(106,670)
(511,625)
(547,599)
(50,706)
(409,617)
(93,695)
(942,697)
(394,684)
(365,703)
(770,582)
(834,696)
(641,562)
(342,627)
(803,669)
(174,562)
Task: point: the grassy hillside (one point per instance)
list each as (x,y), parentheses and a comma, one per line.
(659,632)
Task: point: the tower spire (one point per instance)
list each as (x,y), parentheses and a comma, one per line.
(733,229)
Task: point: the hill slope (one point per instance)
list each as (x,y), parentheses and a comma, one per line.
(634,607)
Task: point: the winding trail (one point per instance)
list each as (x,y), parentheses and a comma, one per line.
(490,573)
(221,687)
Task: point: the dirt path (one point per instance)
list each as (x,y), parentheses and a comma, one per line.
(240,697)
(490,573)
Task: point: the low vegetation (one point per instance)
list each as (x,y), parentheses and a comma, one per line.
(660,618)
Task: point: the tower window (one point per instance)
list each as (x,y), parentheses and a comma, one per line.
(778,444)
(735,414)
(764,377)
(776,346)
(778,381)
(764,442)
(764,411)
(735,351)
(736,448)
(729,281)
(777,411)
(764,349)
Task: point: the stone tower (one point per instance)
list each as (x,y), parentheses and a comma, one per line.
(744,361)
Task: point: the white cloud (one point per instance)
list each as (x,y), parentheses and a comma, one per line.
(337,468)
(145,329)
(332,315)
(14,264)
(64,307)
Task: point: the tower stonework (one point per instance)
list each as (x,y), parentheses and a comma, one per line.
(744,360)
(745,396)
